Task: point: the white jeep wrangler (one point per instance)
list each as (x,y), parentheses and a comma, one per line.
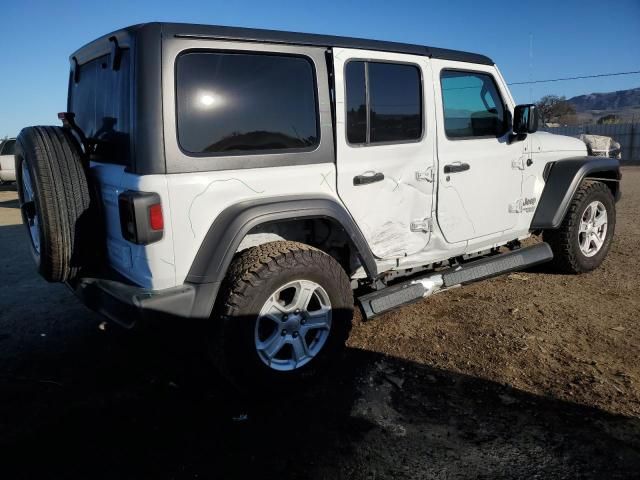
(256,179)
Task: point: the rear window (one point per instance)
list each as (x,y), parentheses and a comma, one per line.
(8,147)
(230,103)
(101,101)
(357,118)
(384,102)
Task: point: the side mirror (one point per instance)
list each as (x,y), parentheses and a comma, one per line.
(525,119)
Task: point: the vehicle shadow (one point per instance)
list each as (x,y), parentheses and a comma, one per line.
(79,399)
(117,404)
(10,204)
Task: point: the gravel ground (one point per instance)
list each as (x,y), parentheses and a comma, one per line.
(532,375)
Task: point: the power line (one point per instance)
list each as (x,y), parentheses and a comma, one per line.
(575,78)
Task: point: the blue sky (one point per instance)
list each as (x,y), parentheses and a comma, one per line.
(569,38)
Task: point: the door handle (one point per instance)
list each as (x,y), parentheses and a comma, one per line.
(370,178)
(456,167)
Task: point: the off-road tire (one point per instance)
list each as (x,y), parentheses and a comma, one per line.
(253,276)
(567,256)
(61,197)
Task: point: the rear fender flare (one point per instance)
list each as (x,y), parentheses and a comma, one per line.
(227,231)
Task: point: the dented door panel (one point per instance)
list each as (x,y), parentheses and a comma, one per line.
(394,212)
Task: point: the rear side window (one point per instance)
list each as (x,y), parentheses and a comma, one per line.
(472,105)
(356,102)
(101,101)
(245,102)
(384,102)
(8,148)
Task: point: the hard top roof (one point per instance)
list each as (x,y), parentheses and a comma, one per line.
(184,30)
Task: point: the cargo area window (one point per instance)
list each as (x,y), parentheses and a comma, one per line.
(384,102)
(472,105)
(100,97)
(231,103)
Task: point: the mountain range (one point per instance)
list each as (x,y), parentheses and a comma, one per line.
(623,103)
(607,101)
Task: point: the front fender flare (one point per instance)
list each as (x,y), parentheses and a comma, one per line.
(564,179)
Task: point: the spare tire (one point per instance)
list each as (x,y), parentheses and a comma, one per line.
(54,200)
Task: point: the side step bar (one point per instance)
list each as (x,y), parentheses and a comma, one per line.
(388,298)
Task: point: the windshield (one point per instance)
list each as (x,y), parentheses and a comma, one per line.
(8,147)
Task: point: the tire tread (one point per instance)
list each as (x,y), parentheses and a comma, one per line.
(248,272)
(565,252)
(61,185)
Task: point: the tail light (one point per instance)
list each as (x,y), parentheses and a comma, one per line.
(156,222)
(141,219)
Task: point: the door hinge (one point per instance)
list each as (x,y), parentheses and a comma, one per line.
(519,163)
(425,175)
(516,207)
(423,225)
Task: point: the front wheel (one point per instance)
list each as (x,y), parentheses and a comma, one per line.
(285,311)
(584,238)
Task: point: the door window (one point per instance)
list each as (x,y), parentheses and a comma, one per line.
(384,102)
(472,105)
(355,79)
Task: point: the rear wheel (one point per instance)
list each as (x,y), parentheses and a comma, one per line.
(285,312)
(584,238)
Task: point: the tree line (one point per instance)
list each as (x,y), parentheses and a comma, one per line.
(557,109)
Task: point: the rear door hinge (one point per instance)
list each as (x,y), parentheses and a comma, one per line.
(425,175)
(519,163)
(424,225)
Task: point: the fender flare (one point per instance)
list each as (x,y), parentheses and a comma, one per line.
(564,179)
(221,242)
(229,228)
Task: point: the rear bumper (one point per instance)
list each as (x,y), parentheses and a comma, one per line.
(128,305)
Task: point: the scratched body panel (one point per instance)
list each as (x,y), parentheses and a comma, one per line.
(385,210)
(203,196)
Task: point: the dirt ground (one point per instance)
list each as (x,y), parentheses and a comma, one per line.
(532,375)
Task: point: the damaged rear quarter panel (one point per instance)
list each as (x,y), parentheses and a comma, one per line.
(204,196)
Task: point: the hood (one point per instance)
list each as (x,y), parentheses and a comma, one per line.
(544,142)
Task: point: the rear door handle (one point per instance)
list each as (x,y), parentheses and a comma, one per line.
(456,167)
(369,177)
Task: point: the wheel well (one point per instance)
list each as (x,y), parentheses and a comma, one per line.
(609,178)
(273,215)
(326,234)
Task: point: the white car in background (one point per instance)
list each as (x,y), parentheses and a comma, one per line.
(7,161)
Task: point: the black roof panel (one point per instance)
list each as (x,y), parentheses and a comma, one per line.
(276,36)
(186,30)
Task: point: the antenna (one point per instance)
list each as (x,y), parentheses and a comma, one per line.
(530,67)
